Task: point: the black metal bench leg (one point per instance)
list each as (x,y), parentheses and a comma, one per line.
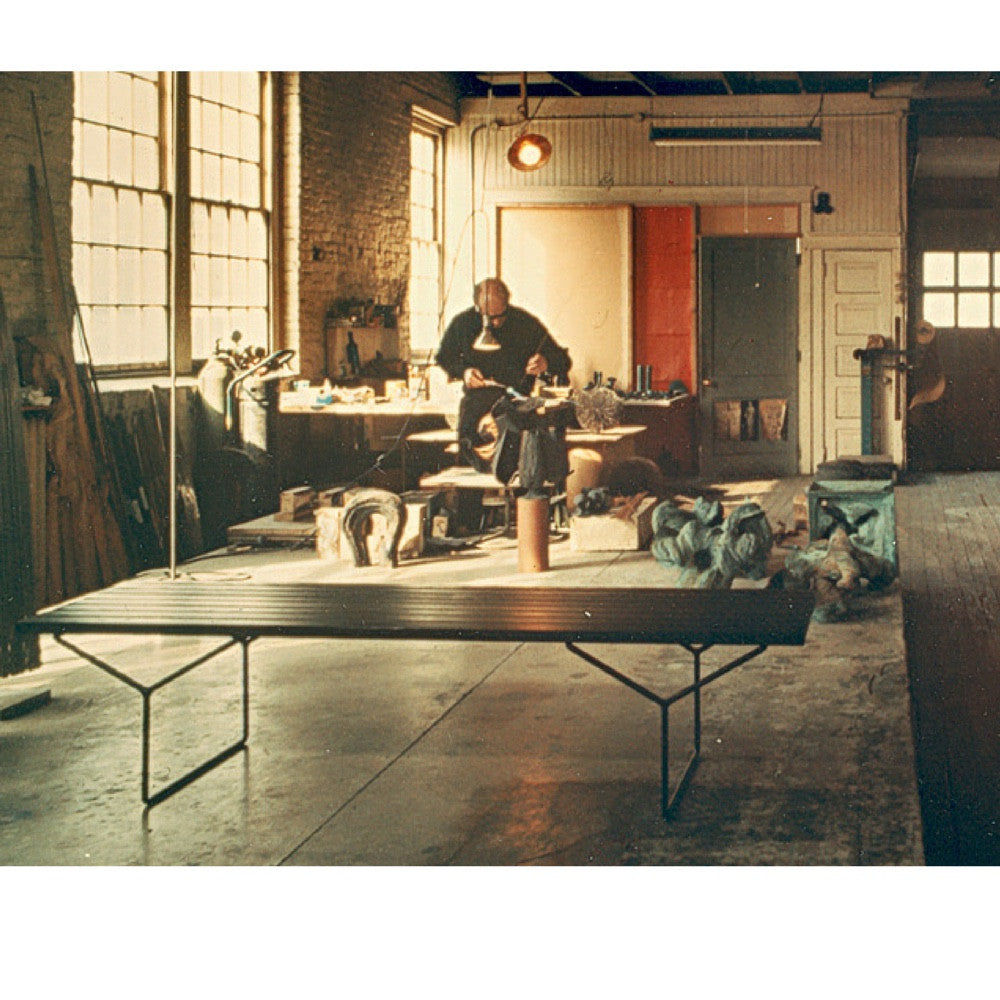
(146,692)
(185,779)
(669,800)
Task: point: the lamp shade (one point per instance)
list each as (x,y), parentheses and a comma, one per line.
(529,152)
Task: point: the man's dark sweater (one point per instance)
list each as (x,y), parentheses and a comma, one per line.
(520,336)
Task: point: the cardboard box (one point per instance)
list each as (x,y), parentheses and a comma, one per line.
(608,533)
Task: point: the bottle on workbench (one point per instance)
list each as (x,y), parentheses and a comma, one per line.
(353,356)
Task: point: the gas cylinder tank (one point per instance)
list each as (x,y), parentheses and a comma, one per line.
(213,383)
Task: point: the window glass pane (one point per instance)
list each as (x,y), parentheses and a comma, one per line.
(154,221)
(91,97)
(129,218)
(230,131)
(973,309)
(250,185)
(147,163)
(250,92)
(257,278)
(996,309)
(210,86)
(94,140)
(145,107)
(211,125)
(120,101)
(939,269)
(81,211)
(102,273)
(939,308)
(129,277)
(230,89)
(218,228)
(120,157)
(257,234)
(200,294)
(104,214)
(249,147)
(211,177)
(154,276)
(974,270)
(238,282)
(81,271)
(200,241)
(257,326)
(231,180)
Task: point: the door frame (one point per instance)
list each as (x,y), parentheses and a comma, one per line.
(795,379)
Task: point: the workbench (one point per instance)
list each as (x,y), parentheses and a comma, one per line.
(240,613)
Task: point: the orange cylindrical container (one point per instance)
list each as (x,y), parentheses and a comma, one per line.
(532,535)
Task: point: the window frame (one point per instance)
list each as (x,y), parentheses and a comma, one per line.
(959,289)
(174,188)
(425,124)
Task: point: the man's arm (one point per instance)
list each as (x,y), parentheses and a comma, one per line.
(557,358)
(451,354)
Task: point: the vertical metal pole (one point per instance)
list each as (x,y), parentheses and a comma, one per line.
(146,695)
(867,378)
(246,688)
(172,334)
(664,760)
(697,701)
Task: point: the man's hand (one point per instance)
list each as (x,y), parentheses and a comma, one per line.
(473,378)
(537,365)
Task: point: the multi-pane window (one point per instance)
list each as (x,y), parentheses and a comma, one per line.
(425,237)
(229,241)
(127,180)
(120,251)
(961,289)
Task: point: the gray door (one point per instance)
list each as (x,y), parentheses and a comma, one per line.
(749,379)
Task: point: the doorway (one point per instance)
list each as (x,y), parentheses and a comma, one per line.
(748,396)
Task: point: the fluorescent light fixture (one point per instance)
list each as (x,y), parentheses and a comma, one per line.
(736,136)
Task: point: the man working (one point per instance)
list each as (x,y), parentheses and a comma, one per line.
(491,347)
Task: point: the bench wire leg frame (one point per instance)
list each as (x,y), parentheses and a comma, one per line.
(147,690)
(668,799)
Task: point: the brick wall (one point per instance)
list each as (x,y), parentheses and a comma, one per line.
(21,278)
(354,232)
(343,155)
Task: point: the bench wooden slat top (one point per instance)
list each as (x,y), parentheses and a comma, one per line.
(491,613)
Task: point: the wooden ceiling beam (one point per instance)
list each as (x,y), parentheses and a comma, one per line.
(577,84)
(648,81)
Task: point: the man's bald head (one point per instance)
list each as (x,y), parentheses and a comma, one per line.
(492,297)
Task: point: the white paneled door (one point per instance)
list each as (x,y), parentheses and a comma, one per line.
(857,303)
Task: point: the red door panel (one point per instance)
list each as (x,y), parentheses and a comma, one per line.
(664,293)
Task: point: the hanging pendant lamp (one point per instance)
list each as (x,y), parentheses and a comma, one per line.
(529,151)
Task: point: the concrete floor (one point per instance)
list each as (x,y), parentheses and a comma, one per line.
(422,753)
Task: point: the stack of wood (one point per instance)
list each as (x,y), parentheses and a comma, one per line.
(84,544)
(16,573)
(137,426)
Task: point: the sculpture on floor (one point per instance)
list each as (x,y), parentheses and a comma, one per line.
(711,550)
(357,513)
(839,569)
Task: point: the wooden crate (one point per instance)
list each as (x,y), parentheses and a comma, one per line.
(608,533)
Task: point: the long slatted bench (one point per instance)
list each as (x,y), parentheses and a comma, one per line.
(695,620)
